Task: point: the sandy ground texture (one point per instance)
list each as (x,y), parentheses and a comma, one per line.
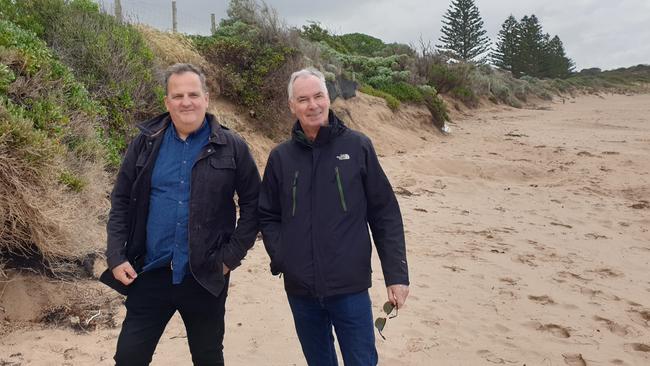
(528,244)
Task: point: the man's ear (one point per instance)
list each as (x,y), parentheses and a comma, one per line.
(291,107)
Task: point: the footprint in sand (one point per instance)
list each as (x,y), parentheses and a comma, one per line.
(613,327)
(526,259)
(543,300)
(508,280)
(595,236)
(597,294)
(641,317)
(638,347)
(566,274)
(492,358)
(641,205)
(616,361)
(556,330)
(574,359)
(607,273)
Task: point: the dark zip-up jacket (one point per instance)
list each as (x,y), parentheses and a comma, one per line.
(316,201)
(223,167)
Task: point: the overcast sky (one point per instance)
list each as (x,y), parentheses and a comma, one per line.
(596,33)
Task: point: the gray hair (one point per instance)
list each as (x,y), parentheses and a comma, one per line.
(310,71)
(177,69)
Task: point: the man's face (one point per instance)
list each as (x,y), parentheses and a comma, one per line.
(186,101)
(310,103)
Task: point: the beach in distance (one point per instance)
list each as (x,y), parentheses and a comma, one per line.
(527,235)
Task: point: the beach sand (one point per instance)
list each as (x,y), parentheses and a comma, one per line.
(527,239)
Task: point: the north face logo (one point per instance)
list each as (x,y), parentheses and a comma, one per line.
(343,157)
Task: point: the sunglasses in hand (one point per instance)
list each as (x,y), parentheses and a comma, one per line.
(380,322)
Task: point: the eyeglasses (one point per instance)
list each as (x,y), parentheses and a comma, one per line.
(380,323)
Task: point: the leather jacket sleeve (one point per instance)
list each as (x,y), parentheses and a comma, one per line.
(247,186)
(119,218)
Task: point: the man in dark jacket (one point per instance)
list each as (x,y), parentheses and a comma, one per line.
(172,238)
(320,191)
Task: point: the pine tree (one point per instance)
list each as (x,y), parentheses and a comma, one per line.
(523,49)
(531,44)
(507,45)
(463,35)
(555,63)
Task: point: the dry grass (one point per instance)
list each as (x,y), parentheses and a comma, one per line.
(41,219)
(170,48)
(46,219)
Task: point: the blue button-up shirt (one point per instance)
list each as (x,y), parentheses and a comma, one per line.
(167,224)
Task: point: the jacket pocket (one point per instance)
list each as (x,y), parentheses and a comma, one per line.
(223,162)
(294,190)
(339,185)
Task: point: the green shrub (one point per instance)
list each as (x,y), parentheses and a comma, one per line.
(435,105)
(246,61)
(362,44)
(401,90)
(314,32)
(44,90)
(109,57)
(392,102)
(445,77)
(254,56)
(465,95)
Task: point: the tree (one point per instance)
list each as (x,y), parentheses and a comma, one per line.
(555,64)
(523,49)
(463,35)
(507,45)
(530,51)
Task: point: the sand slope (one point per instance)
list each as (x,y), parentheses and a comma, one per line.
(528,242)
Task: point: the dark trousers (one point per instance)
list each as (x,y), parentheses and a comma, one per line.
(151,303)
(351,317)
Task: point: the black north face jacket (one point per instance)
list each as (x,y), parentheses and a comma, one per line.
(223,167)
(315,204)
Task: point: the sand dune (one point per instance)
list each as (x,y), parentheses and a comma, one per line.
(528,243)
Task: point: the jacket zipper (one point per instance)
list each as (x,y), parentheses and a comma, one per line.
(294,188)
(340,186)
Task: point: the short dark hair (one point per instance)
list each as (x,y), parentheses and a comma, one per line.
(181,68)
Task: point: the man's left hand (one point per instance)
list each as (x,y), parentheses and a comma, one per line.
(397,294)
(225,269)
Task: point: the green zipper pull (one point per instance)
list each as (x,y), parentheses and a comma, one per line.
(340,186)
(294,188)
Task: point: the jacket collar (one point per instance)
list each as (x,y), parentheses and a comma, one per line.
(333,129)
(155,126)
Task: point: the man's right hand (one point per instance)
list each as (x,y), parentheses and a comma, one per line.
(124,273)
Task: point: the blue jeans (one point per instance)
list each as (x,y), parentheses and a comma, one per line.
(351,316)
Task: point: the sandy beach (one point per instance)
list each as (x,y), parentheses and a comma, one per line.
(527,238)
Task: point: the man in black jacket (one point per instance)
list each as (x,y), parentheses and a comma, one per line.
(172,238)
(320,191)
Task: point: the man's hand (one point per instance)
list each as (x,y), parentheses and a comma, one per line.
(225,269)
(124,273)
(397,294)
